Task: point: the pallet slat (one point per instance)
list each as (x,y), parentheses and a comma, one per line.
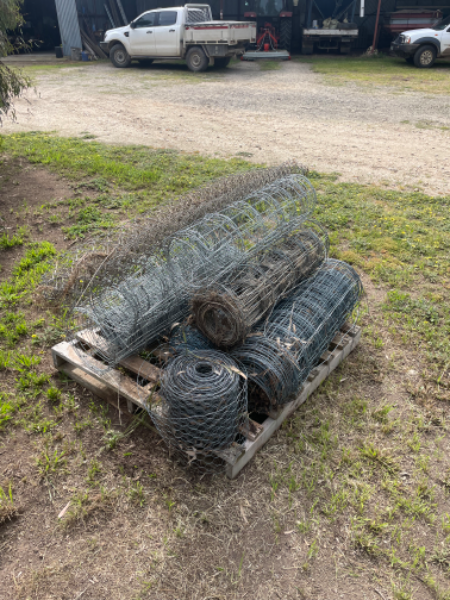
(133,363)
(141,367)
(65,352)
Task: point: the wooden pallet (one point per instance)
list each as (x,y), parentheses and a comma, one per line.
(76,359)
(239,455)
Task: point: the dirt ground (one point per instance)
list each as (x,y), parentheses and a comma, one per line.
(265,115)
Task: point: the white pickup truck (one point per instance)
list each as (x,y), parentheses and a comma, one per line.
(421,47)
(186,32)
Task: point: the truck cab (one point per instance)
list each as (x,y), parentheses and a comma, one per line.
(186,32)
(422,47)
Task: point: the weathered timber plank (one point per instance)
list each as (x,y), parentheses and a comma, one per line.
(92,338)
(113,379)
(134,363)
(141,367)
(96,387)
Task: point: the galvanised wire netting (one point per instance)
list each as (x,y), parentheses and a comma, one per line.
(281,353)
(104,260)
(202,407)
(226,311)
(136,311)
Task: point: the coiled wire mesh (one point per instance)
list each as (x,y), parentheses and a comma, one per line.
(140,308)
(281,353)
(226,311)
(203,408)
(107,258)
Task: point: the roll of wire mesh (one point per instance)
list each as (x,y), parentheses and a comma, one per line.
(203,408)
(135,312)
(225,311)
(281,353)
(219,242)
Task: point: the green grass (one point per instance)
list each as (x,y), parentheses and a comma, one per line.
(381,71)
(8,509)
(125,180)
(401,240)
(11,241)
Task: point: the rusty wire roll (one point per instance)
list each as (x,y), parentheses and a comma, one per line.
(225,311)
(203,409)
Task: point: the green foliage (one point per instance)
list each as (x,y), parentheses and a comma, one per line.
(10,19)
(27,274)
(7,507)
(88,220)
(6,408)
(7,242)
(33,257)
(380,71)
(50,462)
(401,240)
(161,173)
(12,82)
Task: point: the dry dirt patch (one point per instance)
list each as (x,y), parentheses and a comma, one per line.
(24,188)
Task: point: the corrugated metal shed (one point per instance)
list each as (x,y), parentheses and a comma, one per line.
(69,27)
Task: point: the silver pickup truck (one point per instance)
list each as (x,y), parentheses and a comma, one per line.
(186,32)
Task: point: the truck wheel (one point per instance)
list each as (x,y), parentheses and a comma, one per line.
(286,33)
(119,57)
(197,60)
(221,63)
(424,57)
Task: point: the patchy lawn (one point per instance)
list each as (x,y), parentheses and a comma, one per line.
(382,71)
(350,499)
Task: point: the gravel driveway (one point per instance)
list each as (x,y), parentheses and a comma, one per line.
(381,135)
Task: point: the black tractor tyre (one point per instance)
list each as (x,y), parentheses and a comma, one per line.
(119,57)
(286,33)
(222,62)
(425,57)
(196,60)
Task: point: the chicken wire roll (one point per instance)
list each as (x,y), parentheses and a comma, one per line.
(203,407)
(225,311)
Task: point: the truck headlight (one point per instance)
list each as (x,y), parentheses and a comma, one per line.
(406,40)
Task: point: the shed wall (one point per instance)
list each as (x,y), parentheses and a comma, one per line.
(68,25)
